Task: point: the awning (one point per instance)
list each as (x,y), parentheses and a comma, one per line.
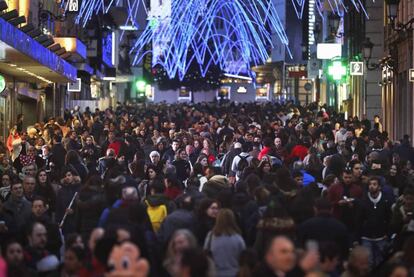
(24,58)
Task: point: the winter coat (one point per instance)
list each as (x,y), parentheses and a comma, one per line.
(63,199)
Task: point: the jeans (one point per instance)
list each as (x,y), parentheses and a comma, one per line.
(376,248)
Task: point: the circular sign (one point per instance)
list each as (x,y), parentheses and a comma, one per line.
(308,86)
(2,83)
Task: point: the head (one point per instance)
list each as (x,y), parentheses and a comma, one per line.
(29,170)
(393,170)
(278,142)
(280,256)
(73,259)
(175,145)
(5,180)
(129,194)
(208,207)
(39,207)
(298,177)
(347,177)
(408,198)
(42,177)
(69,176)
(356,168)
(155,157)
(181,239)
(14,253)
(358,261)
(16,191)
(37,235)
(374,186)
(225,223)
(329,256)
(151,174)
(29,184)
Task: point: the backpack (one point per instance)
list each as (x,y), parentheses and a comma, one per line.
(243,163)
(156,215)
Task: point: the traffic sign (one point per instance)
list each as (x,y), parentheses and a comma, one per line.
(411,77)
(357,68)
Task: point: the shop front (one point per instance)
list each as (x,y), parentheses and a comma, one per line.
(32,74)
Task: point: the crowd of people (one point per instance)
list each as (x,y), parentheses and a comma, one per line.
(209,189)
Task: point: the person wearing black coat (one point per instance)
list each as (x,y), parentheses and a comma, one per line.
(58,152)
(373,217)
(70,186)
(90,205)
(324,227)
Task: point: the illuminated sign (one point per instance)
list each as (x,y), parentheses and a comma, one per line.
(357,68)
(107,49)
(75,87)
(73,6)
(2,83)
(242,90)
(337,70)
(223,93)
(184,94)
(411,77)
(327,51)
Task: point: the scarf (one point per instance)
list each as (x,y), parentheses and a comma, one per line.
(27,160)
(375,200)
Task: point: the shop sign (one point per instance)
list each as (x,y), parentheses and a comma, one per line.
(357,68)
(411,77)
(75,87)
(2,83)
(73,6)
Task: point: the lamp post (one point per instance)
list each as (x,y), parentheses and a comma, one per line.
(392,11)
(367,47)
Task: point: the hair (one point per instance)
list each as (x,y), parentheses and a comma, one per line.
(180,232)
(197,261)
(39,198)
(79,252)
(203,207)
(72,157)
(323,204)
(225,224)
(150,167)
(70,239)
(375,178)
(328,250)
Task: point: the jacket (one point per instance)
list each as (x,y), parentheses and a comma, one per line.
(21,210)
(374,220)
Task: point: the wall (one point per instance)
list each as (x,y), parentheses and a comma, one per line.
(375,31)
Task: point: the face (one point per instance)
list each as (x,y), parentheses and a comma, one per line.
(266,168)
(151,173)
(204,162)
(278,142)
(196,144)
(347,178)
(281,255)
(14,254)
(181,243)
(374,187)
(5,181)
(357,170)
(206,144)
(30,171)
(38,237)
(155,159)
(69,177)
(42,177)
(189,149)
(299,180)
(17,191)
(393,170)
(71,262)
(29,185)
(175,145)
(89,141)
(38,208)
(183,155)
(408,202)
(213,210)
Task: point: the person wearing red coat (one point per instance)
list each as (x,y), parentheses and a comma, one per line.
(344,197)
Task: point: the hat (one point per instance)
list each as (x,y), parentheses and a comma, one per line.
(48,263)
(215,185)
(237,145)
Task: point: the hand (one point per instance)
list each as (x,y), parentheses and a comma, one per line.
(69,211)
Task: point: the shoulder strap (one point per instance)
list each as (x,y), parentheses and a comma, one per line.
(209,240)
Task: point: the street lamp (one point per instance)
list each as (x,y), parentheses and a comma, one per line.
(392,11)
(367,47)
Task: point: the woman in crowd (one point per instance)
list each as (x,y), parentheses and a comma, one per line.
(225,244)
(44,189)
(206,218)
